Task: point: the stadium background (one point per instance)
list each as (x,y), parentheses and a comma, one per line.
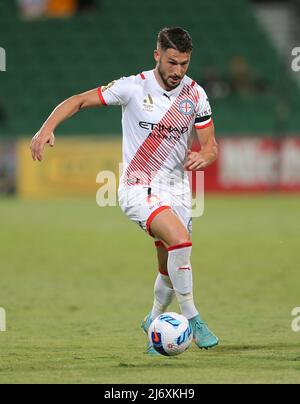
(243,59)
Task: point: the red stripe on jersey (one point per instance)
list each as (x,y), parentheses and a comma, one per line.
(156,148)
(102,100)
(193,83)
(143,77)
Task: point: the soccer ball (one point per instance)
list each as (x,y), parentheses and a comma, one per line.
(170,334)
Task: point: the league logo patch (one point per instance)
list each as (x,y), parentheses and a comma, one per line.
(148,104)
(187,107)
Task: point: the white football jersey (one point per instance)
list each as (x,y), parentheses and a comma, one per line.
(157,128)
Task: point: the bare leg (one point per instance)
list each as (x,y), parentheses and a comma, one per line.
(168,228)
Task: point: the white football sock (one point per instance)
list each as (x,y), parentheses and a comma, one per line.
(164,293)
(180,272)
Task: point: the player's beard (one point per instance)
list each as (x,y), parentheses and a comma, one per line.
(167,79)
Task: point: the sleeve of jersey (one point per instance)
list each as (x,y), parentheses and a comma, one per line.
(116,93)
(204,114)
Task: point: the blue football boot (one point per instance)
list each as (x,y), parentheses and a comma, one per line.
(203,337)
(145,327)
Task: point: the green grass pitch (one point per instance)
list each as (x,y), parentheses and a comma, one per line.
(76,280)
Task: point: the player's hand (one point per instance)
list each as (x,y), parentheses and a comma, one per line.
(38,143)
(196,161)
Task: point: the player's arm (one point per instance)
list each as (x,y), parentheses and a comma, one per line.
(61,113)
(209,150)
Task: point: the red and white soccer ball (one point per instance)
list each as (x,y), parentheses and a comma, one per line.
(170,334)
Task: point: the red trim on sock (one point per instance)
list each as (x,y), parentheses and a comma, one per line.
(162,272)
(159,244)
(180,246)
(153,216)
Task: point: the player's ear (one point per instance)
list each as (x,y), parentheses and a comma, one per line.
(157,55)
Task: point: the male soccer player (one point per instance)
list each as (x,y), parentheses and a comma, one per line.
(161,108)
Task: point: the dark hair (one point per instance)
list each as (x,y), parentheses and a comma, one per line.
(175,38)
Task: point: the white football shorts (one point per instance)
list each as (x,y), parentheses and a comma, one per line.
(142,204)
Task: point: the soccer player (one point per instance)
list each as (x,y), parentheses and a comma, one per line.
(161,108)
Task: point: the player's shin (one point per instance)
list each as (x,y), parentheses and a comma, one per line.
(163,295)
(180,272)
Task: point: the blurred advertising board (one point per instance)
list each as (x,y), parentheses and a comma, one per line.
(255,165)
(7,168)
(244,165)
(68,170)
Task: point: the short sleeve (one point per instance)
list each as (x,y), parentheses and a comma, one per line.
(117,92)
(204,112)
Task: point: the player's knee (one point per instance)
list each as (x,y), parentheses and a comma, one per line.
(180,240)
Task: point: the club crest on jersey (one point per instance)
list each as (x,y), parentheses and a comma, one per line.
(187,107)
(148,104)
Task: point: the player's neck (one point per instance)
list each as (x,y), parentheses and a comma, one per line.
(161,82)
